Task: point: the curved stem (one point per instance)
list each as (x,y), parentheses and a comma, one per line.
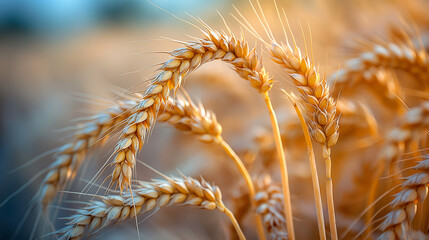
(235,224)
(313,167)
(283,167)
(243,171)
(330,193)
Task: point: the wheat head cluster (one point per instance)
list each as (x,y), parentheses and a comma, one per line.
(349,161)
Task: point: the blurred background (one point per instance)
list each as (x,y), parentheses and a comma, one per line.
(61,60)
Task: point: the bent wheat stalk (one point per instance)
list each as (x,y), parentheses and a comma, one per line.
(70,156)
(320,109)
(147,196)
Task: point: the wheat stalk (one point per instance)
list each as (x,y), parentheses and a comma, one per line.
(146,197)
(320,109)
(70,156)
(397,223)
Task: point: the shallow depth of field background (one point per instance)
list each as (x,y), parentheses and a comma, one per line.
(60,60)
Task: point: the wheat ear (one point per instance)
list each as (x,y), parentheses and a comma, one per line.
(397,223)
(186,116)
(388,56)
(269,203)
(412,127)
(320,109)
(214,46)
(147,196)
(70,156)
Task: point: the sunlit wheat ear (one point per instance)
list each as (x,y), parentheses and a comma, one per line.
(387,56)
(397,223)
(147,196)
(320,108)
(214,46)
(382,84)
(70,156)
(269,203)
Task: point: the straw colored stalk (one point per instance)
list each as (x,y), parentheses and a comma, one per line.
(70,156)
(147,196)
(388,56)
(397,223)
(214,46)
(320,109)
(269,202)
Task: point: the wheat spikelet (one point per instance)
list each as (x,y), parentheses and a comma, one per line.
(215,46)
(397,223)
(147,196)
(70,156)
(269,203)
(388,56)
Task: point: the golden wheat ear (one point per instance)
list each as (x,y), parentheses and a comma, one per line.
(397,224)
(147,196)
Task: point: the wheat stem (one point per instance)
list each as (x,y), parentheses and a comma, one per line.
(313,167)
(330,194)
(248,180)
(283,167)
(235,224)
